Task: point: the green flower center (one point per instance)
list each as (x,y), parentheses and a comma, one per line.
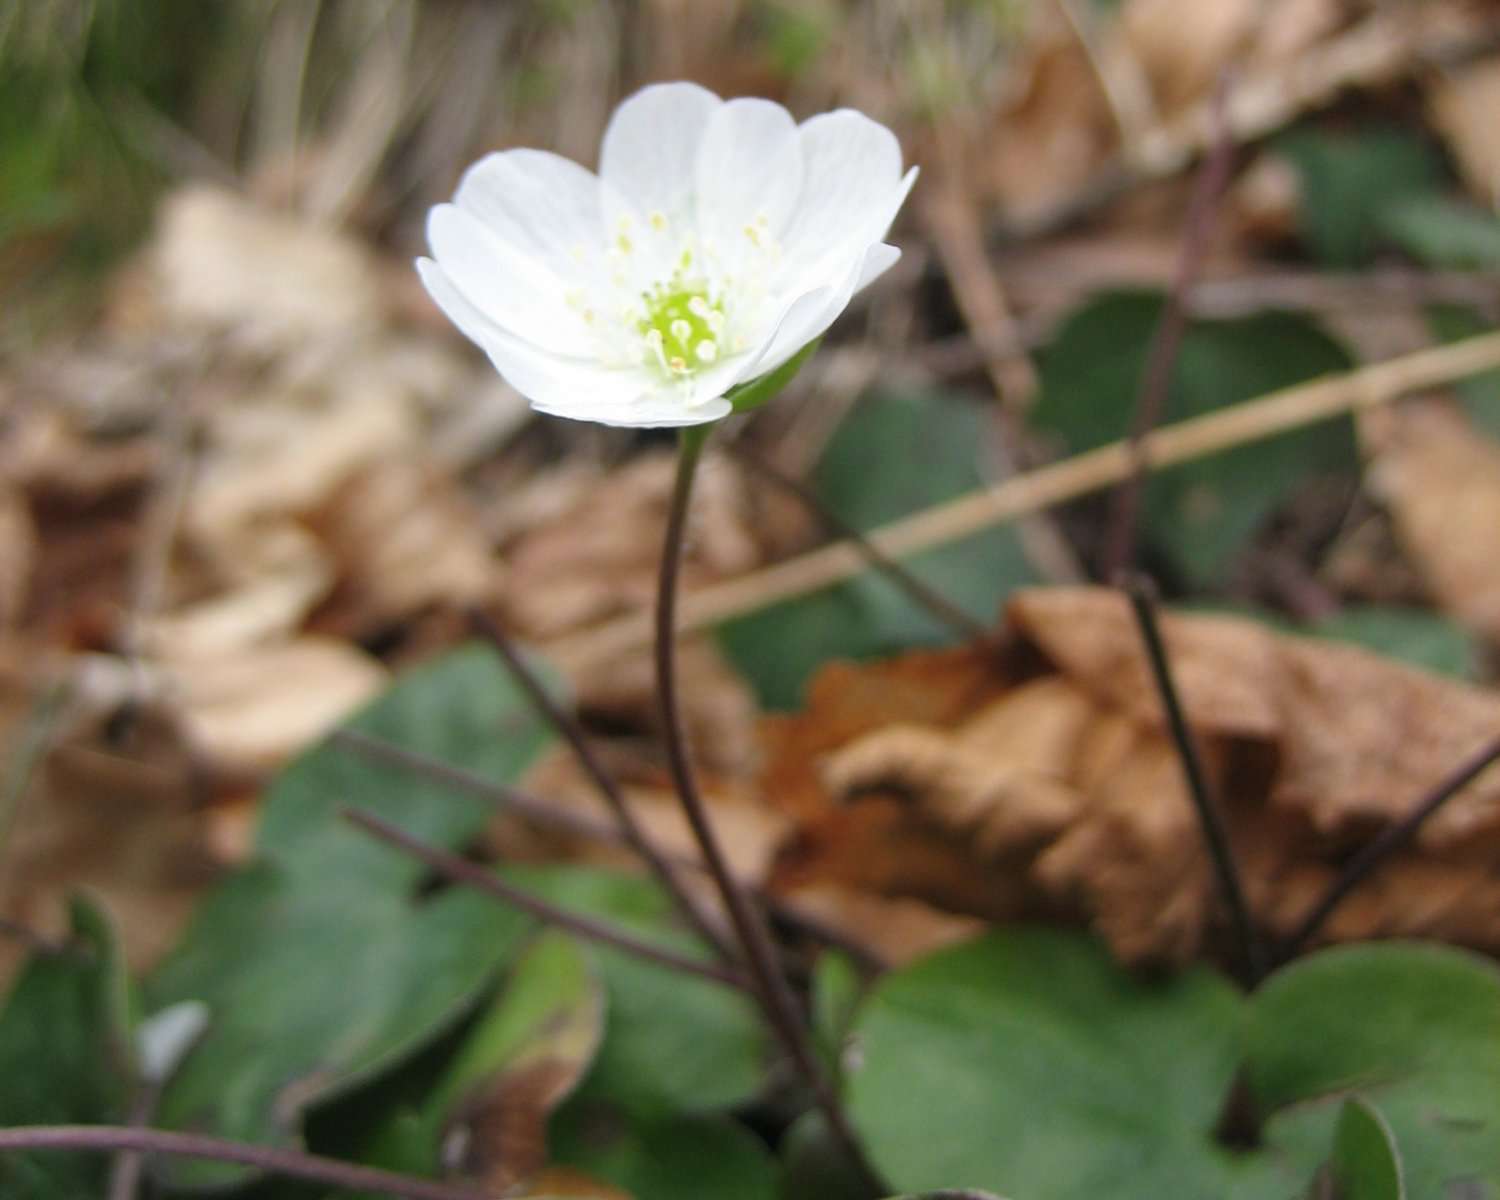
(682,325)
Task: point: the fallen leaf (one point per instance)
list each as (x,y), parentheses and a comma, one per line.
(269,280)
(1044,784)
(402,539)
(18,555)
(1440,478)
(253,708)
(1461,103)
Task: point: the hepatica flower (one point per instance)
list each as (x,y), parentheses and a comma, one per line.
(717,241)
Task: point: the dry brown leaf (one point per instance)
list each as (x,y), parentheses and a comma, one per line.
(1440,478)
(594,548)
(749,829)
(110,806)
(1052,134)
(252,709)
(18,557)
(402,539)
(1462,102)
(896,930)
(1059,794)
(1220,664)
(1183,47)
(270,281)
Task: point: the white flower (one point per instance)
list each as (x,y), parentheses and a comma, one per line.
(718,239)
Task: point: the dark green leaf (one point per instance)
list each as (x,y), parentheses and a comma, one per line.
(670,1158)
(836,992)
(328,961)
(530,1048)
(1366,1163)
(1412,635)
(65,1056)
(672,1043)
(1350,179)
(1027,1063)
(1415,1028)
(1440,232)
(894,456)
(1200,513)
(814,1166)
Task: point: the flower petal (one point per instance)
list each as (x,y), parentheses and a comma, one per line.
(660,412)
(749,173)
(540,203)
(519,293)
(810,315)
(650,149)
(549,381)
(852,188)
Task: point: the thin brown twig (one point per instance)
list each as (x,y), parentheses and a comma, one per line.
(608,787)
(1388,842)
(271,1160)
(1166,341)
(1210,820)
(965,626)
(777,1001)
(1268,416)
(551,816)
(461,870)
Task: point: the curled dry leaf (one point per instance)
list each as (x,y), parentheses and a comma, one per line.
(1041,782)
(1440,478)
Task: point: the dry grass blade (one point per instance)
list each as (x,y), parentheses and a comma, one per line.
(1184,441)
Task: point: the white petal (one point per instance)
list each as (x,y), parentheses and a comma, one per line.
(749,173)
(650,148)
(810,315)
(879,259)
(516,291)
(852,189)
(653,412)
(551,382)
(541,203)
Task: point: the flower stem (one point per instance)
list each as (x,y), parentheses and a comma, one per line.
(292,1163)
(1210,821)
(1166,342)
(1392,838)
(572,732)
(461,870)
(775,995)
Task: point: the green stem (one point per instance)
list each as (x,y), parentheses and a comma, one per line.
(770,986)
